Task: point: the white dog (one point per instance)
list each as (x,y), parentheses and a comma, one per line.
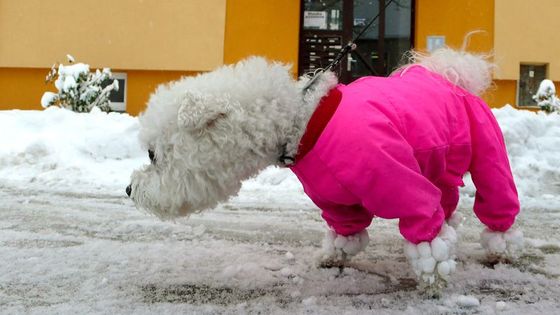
(206,134)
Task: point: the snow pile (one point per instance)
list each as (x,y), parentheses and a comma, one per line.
(274,178)
(533,143)
(69,151)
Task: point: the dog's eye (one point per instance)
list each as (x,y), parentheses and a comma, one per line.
(152,156)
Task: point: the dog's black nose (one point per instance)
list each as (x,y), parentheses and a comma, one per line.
(128,190)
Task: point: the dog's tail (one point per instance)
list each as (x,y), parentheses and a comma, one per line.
(472,72)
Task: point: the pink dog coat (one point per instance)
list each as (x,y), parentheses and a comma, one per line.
(397,148)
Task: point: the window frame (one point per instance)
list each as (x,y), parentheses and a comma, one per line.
(546,66)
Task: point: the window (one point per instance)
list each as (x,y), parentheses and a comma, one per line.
(118,98)
(530,76)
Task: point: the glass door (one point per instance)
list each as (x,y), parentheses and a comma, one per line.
(381,48)
(322,33)
(368,58)
(328,25)
(398,33)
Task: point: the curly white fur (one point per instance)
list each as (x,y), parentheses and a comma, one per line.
(473,72)
(212,131)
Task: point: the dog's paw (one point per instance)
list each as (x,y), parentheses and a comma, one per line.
(433,262)
(502,246)
(337,249)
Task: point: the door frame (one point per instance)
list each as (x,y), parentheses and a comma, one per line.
(344,75)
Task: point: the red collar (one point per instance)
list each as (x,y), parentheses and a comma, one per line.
(319,120)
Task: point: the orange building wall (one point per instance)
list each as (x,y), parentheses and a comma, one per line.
(22,88)
(125,34)
(454,19)
(142,83)
(502,93)
(253,27)
(267,28)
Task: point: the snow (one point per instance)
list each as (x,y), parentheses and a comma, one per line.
(467,301)
(68,75)
(440,249)
(47,98)
(501,305)
(546,96)
(71,242)
(69,84)
(509,243)
(546,87)
(533,143)
(444,268)
(424,250)
(67,151)
(73,70)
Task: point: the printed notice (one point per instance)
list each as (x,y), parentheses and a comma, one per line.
(316,20)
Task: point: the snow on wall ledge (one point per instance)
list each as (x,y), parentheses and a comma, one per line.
(98,151)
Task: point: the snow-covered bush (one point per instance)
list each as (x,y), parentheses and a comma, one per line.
(79,89)
(546,97)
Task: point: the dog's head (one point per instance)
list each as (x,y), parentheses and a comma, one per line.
(206,134)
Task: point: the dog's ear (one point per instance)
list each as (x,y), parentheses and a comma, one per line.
(198,111)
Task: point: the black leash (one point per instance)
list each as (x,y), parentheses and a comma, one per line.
(344,51)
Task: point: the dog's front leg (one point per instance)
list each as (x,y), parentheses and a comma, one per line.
(502,246)
(337,249)
(433,262)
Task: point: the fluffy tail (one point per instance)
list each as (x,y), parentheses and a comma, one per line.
(473,72)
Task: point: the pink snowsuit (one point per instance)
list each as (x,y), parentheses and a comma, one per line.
(397,148)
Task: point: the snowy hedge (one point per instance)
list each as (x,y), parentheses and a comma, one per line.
(79,89)
(546,97)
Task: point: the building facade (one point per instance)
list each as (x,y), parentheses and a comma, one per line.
(149,42)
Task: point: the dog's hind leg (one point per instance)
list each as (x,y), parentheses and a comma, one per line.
(502,246)
(337,249)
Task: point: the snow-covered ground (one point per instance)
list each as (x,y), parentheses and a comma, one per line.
(72,243)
